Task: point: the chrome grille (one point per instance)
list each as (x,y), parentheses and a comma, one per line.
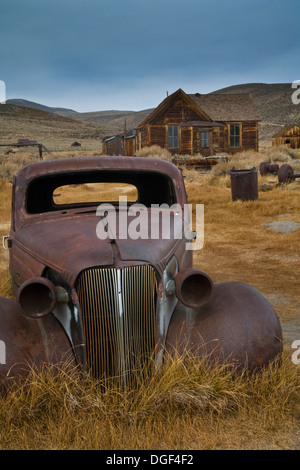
(118,314)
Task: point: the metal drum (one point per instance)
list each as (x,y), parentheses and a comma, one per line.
(244,184)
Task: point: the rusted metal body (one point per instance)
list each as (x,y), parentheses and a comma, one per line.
(236,325)
(244,184)
(266,167)
(286,174)
(105,302)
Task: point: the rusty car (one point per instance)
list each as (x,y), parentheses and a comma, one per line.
(106,303)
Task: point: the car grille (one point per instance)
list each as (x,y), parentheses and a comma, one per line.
(118,313)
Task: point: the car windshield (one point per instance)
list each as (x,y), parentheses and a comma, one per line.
(64,191)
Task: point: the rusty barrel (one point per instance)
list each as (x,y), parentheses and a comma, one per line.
(265,168)
(244,184)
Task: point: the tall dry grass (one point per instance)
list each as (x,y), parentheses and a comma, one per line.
(187,405)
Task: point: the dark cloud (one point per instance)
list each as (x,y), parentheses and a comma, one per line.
(100,54)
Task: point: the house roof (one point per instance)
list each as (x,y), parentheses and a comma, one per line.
(227,107)
(285,129)
(163,106)
(212,107)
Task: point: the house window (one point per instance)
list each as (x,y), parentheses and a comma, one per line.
(235,135)
(204,139)
(173,136)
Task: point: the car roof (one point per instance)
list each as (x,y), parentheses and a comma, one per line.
(90,163)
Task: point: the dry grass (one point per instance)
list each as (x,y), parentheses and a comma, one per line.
(187,405)
(238,243)
(155,151)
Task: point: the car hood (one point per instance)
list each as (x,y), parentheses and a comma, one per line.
(72,244)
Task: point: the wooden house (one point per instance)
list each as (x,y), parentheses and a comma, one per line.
(288,135)
(120,144)
(206,124)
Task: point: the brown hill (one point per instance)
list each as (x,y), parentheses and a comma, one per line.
(114,120)
(52,130)
(111,121)
(58,127)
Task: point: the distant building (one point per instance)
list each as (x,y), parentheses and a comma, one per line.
(288,135)
(120,144)
(191,124)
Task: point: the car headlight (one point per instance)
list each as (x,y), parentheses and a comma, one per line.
(38,297)
(193,287)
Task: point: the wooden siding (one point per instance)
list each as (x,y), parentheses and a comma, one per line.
(186,140)
(250,135)
(288,136)
(177,113)
(189,138)
(184,112)
(158,135)
(130,146)
(117,145)
(216,141)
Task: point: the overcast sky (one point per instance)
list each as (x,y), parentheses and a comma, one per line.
(92,55)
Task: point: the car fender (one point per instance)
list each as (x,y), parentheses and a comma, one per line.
(236,325)
(28,343)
